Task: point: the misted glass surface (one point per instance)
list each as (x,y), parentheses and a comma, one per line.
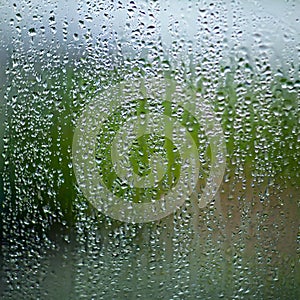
(150,149)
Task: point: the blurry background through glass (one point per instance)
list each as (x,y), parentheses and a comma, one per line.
(241,58)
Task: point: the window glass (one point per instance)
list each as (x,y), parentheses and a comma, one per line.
(149,149)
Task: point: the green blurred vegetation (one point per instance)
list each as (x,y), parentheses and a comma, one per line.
(260,123)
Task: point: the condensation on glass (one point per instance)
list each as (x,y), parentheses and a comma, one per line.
(149,149)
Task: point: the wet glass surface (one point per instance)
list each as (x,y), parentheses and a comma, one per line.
(149,149)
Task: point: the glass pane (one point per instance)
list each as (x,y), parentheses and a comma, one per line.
(149,149)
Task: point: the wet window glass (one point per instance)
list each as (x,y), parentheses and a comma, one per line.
(149,149)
